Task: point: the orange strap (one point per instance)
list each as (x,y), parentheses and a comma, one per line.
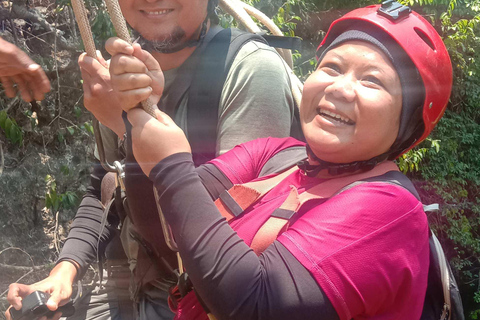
(279,220)
(235,200)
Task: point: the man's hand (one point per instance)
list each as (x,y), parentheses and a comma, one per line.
(58,284)
(16,68)
(135,73)
(155,139)
(99,97)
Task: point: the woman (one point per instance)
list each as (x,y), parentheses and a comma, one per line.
(382,83)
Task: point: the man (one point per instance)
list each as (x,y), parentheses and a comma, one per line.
(174,32)
(16,68)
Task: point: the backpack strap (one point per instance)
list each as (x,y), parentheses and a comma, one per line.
(171,98)
(206,89)
(280,218)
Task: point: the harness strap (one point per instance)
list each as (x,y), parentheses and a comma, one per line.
(232,202)
(278,223)
(279,220)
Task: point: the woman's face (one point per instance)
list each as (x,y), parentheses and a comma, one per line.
(351,104)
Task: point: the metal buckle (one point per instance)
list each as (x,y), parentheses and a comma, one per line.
(120,174)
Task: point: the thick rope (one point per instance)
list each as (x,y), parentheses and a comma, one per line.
(85,31)
(260,16)
(120,26)
(240,14)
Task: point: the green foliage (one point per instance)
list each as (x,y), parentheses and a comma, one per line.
(12,130)
(458,159)
(56,201)
(410,161)
(100,22)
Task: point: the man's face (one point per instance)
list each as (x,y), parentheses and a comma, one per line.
(165,21)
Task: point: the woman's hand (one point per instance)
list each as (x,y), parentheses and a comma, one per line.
(58,284)
(135,74)
(155,139)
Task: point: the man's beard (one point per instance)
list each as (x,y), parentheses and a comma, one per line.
(169,43)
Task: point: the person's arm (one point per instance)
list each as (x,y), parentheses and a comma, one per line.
(16,68)
(231,279)
(85,233)
(256,100)
(79,250)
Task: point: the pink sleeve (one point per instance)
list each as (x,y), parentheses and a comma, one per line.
(368,249)
(245,161)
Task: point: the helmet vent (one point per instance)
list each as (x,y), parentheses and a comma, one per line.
(425,38)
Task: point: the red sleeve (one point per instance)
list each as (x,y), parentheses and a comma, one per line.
(244,162)
(368,249)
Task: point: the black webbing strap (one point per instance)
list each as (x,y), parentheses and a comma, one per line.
(291,43)
(171,98)
(206,89)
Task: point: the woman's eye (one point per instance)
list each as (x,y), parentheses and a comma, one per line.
(331,69)
(373,80)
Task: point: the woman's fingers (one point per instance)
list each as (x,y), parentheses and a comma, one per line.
(131,98)
(132,81)
(164,118)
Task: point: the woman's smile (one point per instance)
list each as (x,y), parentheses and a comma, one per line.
(351,104)
(333,118)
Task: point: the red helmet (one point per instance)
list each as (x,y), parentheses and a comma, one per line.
(420,42)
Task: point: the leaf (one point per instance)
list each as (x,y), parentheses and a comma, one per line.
(3,118)
(88,126)
(78,111)
(8,124)
(71,130)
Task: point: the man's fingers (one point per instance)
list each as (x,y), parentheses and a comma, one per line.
(144,56)
(116,46)
(90,65)
(16,293)
(39,78)
(7,83)
(36,89)
(101,59)
(22,86)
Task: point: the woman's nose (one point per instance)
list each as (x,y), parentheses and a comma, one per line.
(342,87)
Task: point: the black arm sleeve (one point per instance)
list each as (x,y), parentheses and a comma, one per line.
(213,180)
(81,243)
(232,280)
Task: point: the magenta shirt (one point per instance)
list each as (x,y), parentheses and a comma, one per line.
(366,247)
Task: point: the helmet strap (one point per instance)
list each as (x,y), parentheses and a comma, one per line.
(335,169)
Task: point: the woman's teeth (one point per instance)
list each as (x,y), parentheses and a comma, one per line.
(334,116)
